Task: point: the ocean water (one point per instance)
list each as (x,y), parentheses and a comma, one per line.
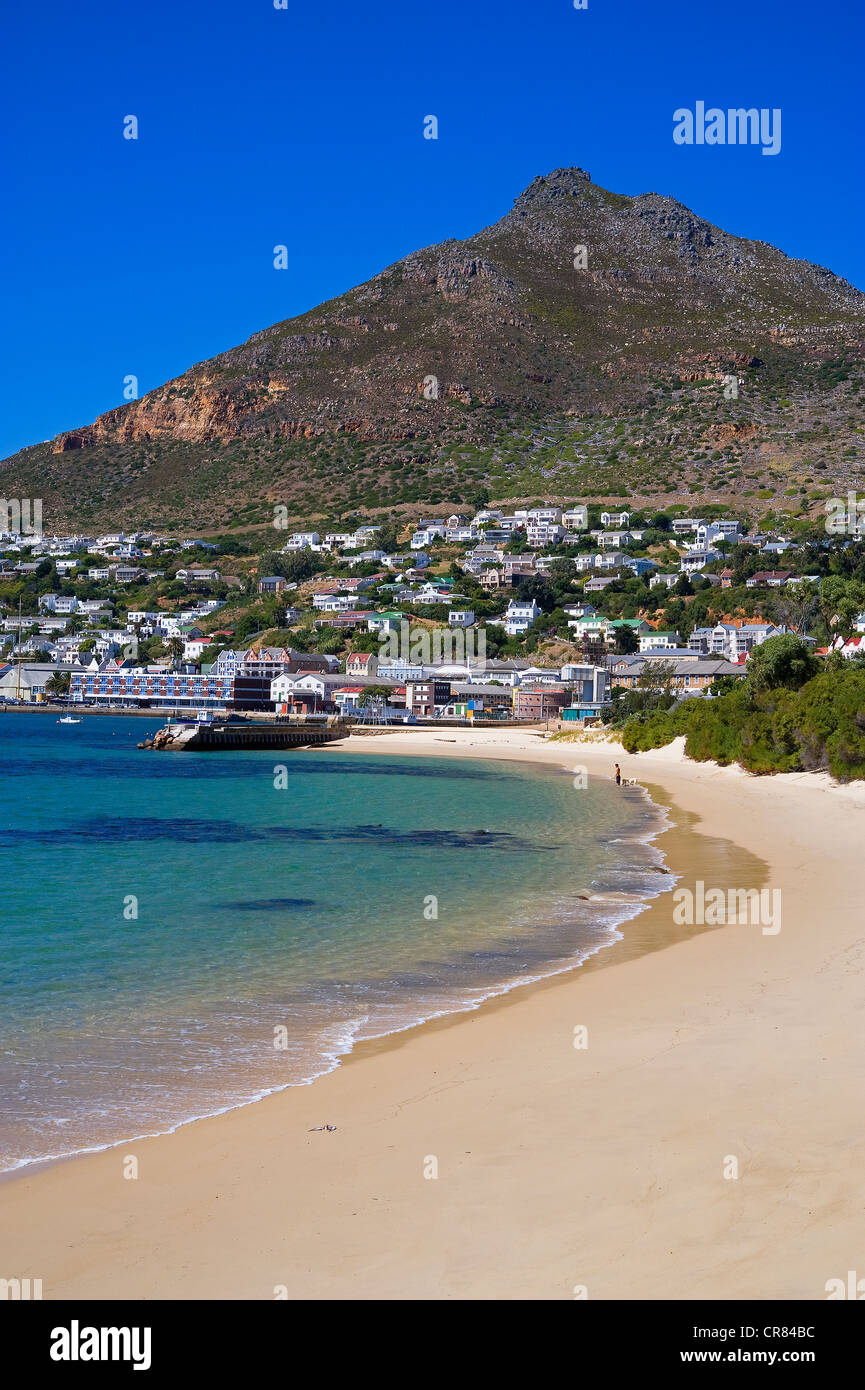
(181,935)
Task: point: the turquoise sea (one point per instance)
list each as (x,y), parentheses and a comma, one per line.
(181,935)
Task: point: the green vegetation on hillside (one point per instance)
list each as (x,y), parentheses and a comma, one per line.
(781,718)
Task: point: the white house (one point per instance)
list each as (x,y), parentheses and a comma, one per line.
(854,646)
(334,603)
(368,557)
(660,641)
(520,616)
(194,648)
(58,603)
(696,560)
(302,540)
(541,534)
(197,572)
(732,640)
(426,536)
(461,617)
(710,531)
(576,519)
(615,519)
(609,561)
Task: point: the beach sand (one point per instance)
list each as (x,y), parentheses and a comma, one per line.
(559,1168)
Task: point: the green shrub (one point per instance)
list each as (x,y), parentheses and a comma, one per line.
(769,728)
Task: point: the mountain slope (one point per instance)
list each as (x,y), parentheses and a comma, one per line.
(539,366)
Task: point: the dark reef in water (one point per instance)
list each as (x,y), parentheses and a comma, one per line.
(268,904)
(127,829)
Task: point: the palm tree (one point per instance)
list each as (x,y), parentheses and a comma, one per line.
(174,647)
(58,683)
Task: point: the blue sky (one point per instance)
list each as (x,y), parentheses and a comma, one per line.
(304,127)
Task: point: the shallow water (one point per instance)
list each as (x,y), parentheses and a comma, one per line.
(180,936)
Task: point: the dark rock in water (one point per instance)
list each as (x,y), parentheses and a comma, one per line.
(269,904)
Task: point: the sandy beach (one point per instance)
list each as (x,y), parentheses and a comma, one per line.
(607,1168)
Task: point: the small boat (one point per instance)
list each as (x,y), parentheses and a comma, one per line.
(67,718)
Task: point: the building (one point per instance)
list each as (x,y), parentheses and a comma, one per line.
(302,540)
(639,564)
(270,662)
(732,640)
(58,603)
(686,676)
(534,703)
(334,603)
(589,690)
(461,617)
(272,584)
(697,559)
(195,573)
(473,700)
(659,641)
(362,664)
(427,697)
(709,531)
(520,615)
(28,683)
(853,646)
(542,534)
(159,688)
(314,689)
(598,561)
(771,579)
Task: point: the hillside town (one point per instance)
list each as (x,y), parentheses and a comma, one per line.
(541,613)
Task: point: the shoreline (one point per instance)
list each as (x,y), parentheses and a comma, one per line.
(491,1093)
(619,944)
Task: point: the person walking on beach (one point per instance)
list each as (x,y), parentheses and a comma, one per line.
(618,775)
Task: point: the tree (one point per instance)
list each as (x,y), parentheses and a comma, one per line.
(58,683)
(174,647)
(294,565)
(330,640)
(373,693)
(627,641)
(387,537)
(532,586)
(781,662)
(657,676)
(797,608)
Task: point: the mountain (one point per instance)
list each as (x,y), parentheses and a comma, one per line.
(555,370)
